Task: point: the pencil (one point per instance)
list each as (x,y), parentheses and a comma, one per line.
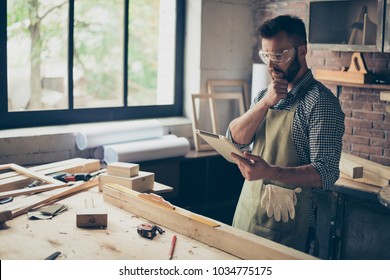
(53,256)
(173,244)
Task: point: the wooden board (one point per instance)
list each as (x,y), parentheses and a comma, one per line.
(352,184)
(21,207)
(373,179)
(14,180)
(49,182)
(351,168)
(226,238)
(112,189)
(342,76)
(376,168)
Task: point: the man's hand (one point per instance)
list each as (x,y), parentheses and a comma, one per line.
(253,167)
(277,90)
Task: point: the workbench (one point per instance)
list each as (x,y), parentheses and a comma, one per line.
(22,238)
(37,239)
(199,236)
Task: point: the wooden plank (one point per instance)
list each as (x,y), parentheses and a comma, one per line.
(40,199)
(226,238)
(161,188)
(178,211)
(350,167)
(33,190)
(373,179)
(352,184)
(14,182)
(376,168)
(44,166)
(342,76)
(50,182)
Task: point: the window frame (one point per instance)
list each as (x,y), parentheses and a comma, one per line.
(74,116)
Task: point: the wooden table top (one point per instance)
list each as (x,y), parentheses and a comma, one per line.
(25,239)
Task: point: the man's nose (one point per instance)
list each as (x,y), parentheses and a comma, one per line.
(271,64)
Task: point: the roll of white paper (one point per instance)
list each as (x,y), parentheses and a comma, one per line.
(164,147)
(119,132)
(260,78)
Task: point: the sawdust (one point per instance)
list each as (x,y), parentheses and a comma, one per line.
(110,248)
(54,242)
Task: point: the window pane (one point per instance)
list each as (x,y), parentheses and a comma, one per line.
(37,36)
(151,49)
(98,53)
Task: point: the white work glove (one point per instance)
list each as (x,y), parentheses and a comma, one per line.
(279,202)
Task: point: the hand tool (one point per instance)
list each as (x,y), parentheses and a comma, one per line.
(68,177)
(149,230)
(6,200)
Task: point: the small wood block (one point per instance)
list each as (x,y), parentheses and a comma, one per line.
(91,218)
(5,215)
(385,96)
(351,168)
(141,183)
(123,169)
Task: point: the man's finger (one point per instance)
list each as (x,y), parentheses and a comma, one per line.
(251,156)
(241,160)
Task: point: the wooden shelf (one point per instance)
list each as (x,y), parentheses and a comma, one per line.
(344,84)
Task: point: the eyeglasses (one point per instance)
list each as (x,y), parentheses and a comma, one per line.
(277,58)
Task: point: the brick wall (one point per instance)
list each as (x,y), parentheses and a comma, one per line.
(367,124)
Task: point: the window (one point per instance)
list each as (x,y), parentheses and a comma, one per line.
(73,61)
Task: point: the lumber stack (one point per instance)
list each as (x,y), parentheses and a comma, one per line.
(129,176)
(14,183)
(363,174)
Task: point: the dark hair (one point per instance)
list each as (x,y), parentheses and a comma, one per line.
(292,25)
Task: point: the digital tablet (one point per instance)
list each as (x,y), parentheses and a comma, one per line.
(220,143)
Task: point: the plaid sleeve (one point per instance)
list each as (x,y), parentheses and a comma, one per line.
(229,136)
(326,129)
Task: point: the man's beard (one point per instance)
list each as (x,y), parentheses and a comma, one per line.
(291,71)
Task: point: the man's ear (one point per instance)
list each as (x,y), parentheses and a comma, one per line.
(302,50)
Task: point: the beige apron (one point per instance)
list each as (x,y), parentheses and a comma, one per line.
(274,143)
